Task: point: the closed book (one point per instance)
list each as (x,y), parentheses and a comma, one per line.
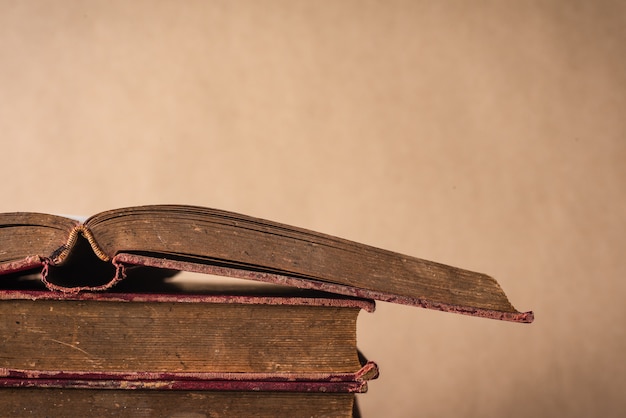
(272,332)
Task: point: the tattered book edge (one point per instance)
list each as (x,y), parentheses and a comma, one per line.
(313,284)
(273,382)
(182,297)
(123,259)
(188,385)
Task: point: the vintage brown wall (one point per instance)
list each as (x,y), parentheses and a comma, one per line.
(487,135)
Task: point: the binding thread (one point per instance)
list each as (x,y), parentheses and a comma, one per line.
(71,240)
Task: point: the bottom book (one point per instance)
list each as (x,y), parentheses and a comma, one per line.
(55,402)
(62,394)
(140,394)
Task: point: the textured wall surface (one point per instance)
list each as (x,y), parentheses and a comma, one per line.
(490,137)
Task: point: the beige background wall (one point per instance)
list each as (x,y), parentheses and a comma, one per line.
(490,136)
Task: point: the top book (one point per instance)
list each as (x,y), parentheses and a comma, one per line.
(105,248)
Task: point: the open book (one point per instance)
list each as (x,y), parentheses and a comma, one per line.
(104,249)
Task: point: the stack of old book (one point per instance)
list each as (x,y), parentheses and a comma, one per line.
(105,329)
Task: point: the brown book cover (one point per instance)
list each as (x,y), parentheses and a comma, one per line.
(296,333)
(106,247)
